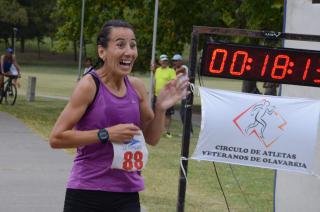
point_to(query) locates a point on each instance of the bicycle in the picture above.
(9, 91)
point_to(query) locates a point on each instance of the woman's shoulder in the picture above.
(87, 83)
(137, 84)
(84, 91)
(135, 81)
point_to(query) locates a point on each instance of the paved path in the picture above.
(32, 175)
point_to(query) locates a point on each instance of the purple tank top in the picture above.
(92, 166)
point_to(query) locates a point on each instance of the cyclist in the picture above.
(9, 67)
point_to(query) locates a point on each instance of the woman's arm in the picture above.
(182, 70)
(15, 63)
(63, 134)
(153, 123)
(1, 63)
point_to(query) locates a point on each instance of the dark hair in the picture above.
(88, 59)
(104, 34)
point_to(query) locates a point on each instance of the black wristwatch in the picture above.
(103, 135)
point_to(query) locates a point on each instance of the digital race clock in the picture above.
(260, 63)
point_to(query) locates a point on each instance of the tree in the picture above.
(175, 22)
(12, 14)
(39, 21)
(249, 14)
(30, 17)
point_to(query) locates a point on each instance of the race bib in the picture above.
(130, 156)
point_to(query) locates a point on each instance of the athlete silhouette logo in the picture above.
(258, 112)
(262, 121)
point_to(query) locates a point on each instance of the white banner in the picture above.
(254, 130)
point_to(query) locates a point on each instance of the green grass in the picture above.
(162, 172)
(52, 81)
(203, 191)
(39, 115)
(60, 81)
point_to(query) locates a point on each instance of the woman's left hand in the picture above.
(173, 92)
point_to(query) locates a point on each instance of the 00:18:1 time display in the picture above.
(290, 66)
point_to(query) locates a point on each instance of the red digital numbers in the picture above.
(266, 60)
(235, 58)
(306, 69)
(283, 68)
(238, 55)
(317, 80)
(261, 63)
(213, 60)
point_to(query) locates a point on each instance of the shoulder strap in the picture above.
(97, 82)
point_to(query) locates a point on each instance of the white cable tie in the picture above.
(192, 87)
(183, 170)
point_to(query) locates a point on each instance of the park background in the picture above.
(46, 34)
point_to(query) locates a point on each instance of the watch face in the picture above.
(103, 134)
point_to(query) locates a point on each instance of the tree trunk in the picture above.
(38, 48)
(22, 45)
(84, 49)
(75, 50)
(6, 42)
(12, 42)
(51, 39)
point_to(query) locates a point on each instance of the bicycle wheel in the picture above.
(10, 94)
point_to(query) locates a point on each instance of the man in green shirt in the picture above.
(163, 75)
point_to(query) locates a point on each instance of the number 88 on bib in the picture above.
(130, 156)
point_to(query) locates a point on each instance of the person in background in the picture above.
(250, 87)
(9, 67)
(109, 120)
(163, 75)
(179, 67)
(270, 88)
(87, 66)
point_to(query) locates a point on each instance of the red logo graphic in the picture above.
(262, 121)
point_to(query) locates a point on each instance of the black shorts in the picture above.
(169, 111)
(78, 200)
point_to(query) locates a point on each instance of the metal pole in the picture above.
(81, 40)
(187, 125)
(154, 43)
(15, 30)
(279, 94)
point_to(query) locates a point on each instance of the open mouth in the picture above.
(126, 63)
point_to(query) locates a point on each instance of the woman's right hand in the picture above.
(123, 132)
